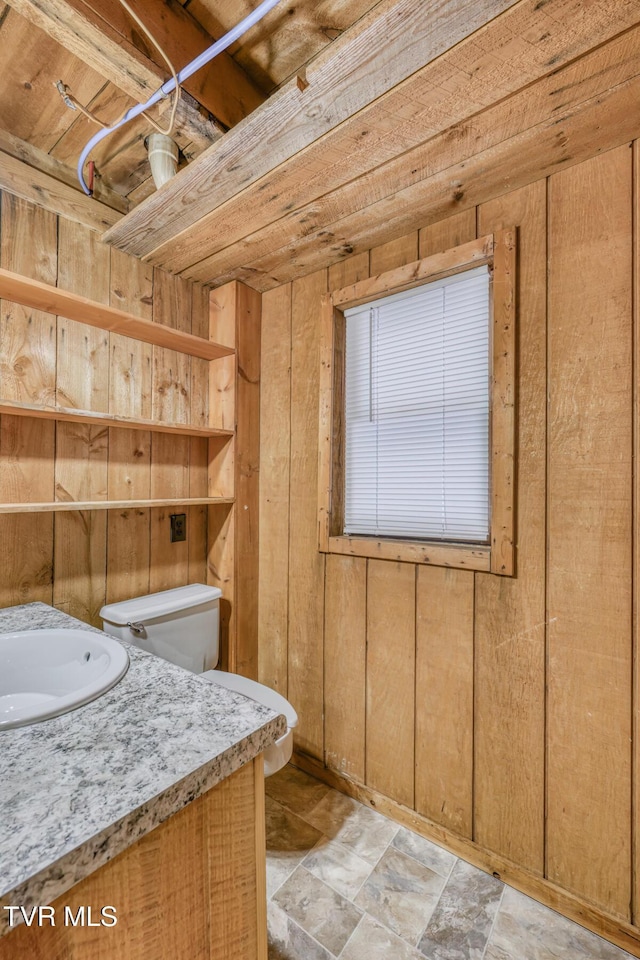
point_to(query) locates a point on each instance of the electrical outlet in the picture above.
(178, 526)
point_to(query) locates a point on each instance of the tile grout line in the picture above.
(435, 906)
(307, 934)
(352, 934)
(493, 924)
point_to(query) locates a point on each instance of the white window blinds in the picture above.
(417, 412)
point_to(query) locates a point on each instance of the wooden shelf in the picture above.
(42, 296)
(56, 506)
(71, 415)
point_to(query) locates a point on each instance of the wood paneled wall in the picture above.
(497, 708)
(79, 560)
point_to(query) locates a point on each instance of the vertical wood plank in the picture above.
(345, 664)
(171, 401)
(27, 372)
(306, 564)
(391, 664)
(393, 254)
(84, 267)
(221, 564)
(345, 633)
(247, 467)
(80, 539)
(198, 452)
(444, 678)
(168, 562)
(503, 406)
(128, 531)
(197, 515)
(28, 337)
(437, 237)
(26, 473)
(130, 371)
(349, 271)
(275, 423)
(444, 697)
(589, 529)
(221, 574)
(510, 613)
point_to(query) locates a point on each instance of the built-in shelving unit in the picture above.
(71, 415)
(49, 299)
(56, 506)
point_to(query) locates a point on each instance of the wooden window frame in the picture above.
(498, 252)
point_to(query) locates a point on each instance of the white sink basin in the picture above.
(44, 673)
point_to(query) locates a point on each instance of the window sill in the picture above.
(465, 556)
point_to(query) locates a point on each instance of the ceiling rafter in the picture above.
(100, 35)
(395, 39)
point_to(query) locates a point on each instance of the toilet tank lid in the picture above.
(154, 605)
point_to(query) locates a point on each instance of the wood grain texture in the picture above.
(275, 420)
(444, 646)
(345, 656)
(221, 557)
(27, 372)
(190, 888)
(43, 162)
(105, 420)
(68, 470)
(247, 470)
(543, 128)
(444, 697)
(37, 186)
(503, 402)
(510, 630)
(589, 530)
(517, 48)
(90, 39)
(306, 565)
(341, 82)
(391, 665)
(47, 298)
(128, 529)
(81, 466)
(222, 87)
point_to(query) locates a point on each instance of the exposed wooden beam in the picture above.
(222, 87)
(525, 43)
(46, 191)
(77, 28)
(575, 133)
(324, 230)
(381, 50)
(39, 160)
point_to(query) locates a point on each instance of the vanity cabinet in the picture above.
(193, 888)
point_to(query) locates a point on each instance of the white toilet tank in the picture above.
(180, 625)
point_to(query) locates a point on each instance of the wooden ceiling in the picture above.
(331, 127)
(38, 47)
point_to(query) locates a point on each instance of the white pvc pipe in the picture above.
(163, 157)
(200, 61)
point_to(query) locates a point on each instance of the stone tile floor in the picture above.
(344, 881)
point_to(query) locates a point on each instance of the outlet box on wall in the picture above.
(178, 527)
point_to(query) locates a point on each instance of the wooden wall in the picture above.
(499, 709)
(79, 560)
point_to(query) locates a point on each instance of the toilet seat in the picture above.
(255, 691)
(277, 754)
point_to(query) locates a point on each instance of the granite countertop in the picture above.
(78, 789)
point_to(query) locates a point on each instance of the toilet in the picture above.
(182, 625)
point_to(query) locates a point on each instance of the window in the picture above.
(417, 411)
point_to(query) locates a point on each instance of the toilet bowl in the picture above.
(182, 625)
